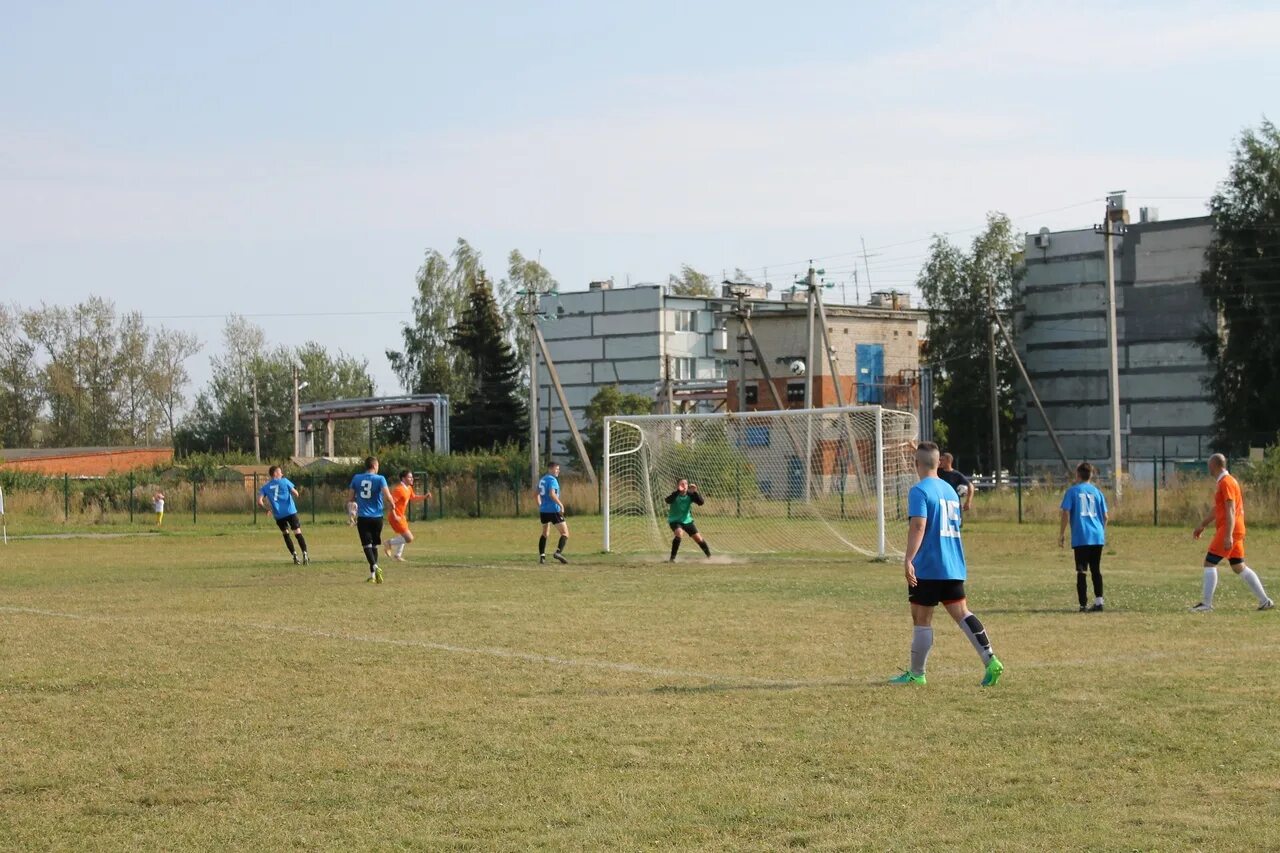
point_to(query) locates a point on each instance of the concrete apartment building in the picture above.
(624, 336)
(1061, 323)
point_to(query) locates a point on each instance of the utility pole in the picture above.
(532, 311)
(1112, 227)
(296, 424)
(993, 379)
(742, 312)
(257, 444)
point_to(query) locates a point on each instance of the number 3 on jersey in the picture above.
(366, 489)
(950, 528)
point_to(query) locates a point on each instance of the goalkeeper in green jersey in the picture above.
(680, 516)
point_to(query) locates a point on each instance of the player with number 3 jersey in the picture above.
(370, 495)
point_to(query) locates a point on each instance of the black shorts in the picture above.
(690, 527)
(1213, 559)
(933, 593)
(289, 522)
(552, 517)
(1088, 557)
(370, 530)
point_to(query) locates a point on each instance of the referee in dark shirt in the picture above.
(962, 484)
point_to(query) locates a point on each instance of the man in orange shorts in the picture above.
(1228, 538)
(401, 495)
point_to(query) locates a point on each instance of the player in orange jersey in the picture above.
(1228, 538)
(402, 494)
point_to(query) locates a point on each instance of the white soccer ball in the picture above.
(962, 490)
(797, 368)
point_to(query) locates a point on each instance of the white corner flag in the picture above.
(4, 522)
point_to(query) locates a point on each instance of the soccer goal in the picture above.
(799, 480)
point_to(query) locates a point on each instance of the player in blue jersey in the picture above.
(551, 512)
(280, 492)
(1084, 508)
(935, 569)
(370, 495)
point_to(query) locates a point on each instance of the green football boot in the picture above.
(907, 678)
(995, 669)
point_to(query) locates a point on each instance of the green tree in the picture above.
(609, 400)
(222, 418)
(428, 362)
(21, 394)
(1241, 282)
(690, 282)
(956, 285)
(523, 275)
(494, 414)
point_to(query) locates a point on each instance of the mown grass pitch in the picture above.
(198, 691)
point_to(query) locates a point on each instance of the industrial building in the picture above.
(1061, 331)
(682, 351)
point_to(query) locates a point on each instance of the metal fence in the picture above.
(127, 499)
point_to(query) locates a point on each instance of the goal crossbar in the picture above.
(835, 478)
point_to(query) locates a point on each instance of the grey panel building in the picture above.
(1061, 323)
(606, 336)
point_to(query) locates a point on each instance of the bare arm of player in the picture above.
(262, 501)
(1204, 522)
(555, 496)
(915, 535)
(1062, 528)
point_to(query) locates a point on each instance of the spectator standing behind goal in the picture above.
(935, 570)
(680, 516)
(1084, 508)
(157, 503)
(1228, 538)
(962, 484)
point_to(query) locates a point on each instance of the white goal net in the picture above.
(800, 480)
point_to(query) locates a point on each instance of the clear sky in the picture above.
(194, 159)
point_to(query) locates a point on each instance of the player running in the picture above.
(370, 495)
(680, 516)
(1085, 509)
(1228, 538)
(935, 569)
(280, 492)
(551, 512)
(401, 495)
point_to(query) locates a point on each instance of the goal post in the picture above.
(787, 481)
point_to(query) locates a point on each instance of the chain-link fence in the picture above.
(190, 498)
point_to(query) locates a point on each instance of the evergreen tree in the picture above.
(495, 413)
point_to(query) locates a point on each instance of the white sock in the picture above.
(400, 548)
(921, 643)
(395, 540)
(1210, 584)
(1251, 580)
(1098, 601)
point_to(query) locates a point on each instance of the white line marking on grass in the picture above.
(505, 654)
(634, 668)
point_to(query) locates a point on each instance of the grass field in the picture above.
(194, 690)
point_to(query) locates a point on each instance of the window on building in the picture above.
(717, 369)
(686, 321)
(795, 392)
(752, 395)
(682, 368)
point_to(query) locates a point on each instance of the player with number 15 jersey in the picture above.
(941, 555)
